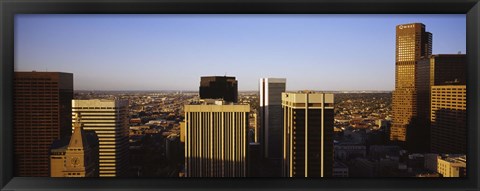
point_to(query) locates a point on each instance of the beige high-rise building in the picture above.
(308, 134)
(412, 44)
(449, 119)
(216, 140)
(108, 118)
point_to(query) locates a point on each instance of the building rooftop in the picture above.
(456, 158)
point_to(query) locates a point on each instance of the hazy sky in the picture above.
(171, 52)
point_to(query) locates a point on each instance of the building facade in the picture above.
(108, 118)
(271, 122)
(42, 105)
(452, 166)
(412, 44)
(442, 69)
(346, 152)
(219, 87)
(308, 134)
(216, 140)
(254, 158)
(449, 119)
(79, 158)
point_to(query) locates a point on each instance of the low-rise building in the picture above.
(346, 152)
(340, 169)
(452, 166)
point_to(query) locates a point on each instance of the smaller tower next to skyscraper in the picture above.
(219, 87)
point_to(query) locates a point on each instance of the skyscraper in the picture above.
(219, 87)
(216, 140)
(308, 134)
(108, 118)
(435, 70)
(412, 44)
(271, 122)
(449, 119)
(42, 105)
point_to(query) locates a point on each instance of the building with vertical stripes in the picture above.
(42, 105)
(308, 134)
(216, 140)
(108, 118)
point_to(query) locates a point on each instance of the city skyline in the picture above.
(295, 43)
(405, 133)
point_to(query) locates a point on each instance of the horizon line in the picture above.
(238, 90)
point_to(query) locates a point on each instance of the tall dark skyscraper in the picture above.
(412, 44)
(271, 122)
(219, 87)
(308, 134)
(436, 70)
(43, 106)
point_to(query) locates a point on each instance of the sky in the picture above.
(172, 52)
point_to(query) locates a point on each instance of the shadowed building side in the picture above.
(42, 105)
(442, 69)
(219, 87)
(308, 134)
(271, 120)
(449, 119)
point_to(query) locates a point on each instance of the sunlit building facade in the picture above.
(452, 166)
(216, 140)
(412, 44)
(79, 158)
(108, 118)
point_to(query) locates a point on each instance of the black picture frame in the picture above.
(9, 8)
